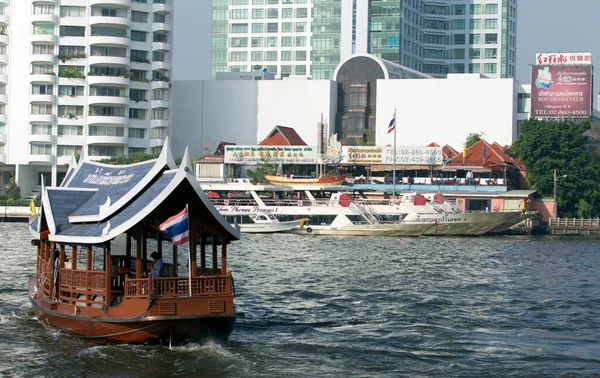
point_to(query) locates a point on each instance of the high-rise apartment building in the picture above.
(302, 37)
(81, 77)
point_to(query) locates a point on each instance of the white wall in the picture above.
(245, 112)
(446, 111)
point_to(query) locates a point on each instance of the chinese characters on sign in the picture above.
(270, 154)
(552, 59)
(385, 155)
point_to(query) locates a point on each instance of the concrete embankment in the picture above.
(14, 213)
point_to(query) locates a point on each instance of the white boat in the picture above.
(323, 204)
(268, 223)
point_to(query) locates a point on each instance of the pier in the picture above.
(574, 226)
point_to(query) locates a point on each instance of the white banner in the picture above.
(384, 155)
(554, 59)
(251, 155)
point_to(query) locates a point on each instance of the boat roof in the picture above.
(244, 187)
(100, 201)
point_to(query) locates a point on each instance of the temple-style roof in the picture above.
(98, 202)
(483, 155)
(283, 136)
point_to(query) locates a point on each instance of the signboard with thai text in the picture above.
(561, 91)
(385, 155)
(553, 59)
(252, 155)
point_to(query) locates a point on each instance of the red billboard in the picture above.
(561, 91)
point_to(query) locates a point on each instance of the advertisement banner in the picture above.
(251, 155)
(561, 91)
(385, 155)
(552, 59)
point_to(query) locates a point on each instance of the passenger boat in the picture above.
(321, 181)
(105, 219)
(268, 223)
(322, 204)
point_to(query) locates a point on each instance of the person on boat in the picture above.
(158, 266)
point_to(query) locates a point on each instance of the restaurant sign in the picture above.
(385, 155)
(251, 155)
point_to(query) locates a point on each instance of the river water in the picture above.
(333, 307)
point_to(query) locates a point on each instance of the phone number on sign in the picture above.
(563, 113)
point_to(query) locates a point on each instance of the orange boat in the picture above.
(321, 181)
(102, 218)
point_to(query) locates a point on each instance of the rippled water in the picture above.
(322, 306)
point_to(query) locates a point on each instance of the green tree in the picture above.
(131, 159)
(543, 146)
(473, 138)
(13, 192)
(264, 167)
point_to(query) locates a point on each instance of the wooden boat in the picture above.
(268, 223)
(321, 181)
(108, 298)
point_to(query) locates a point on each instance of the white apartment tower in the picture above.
(81, 77)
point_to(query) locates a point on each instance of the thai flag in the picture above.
(177, 227)
(392, 125)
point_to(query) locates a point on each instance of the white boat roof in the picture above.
(244, 187)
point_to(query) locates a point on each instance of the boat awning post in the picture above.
(138, 253)
(107, 268)
(89, 259)
(203, 253)
(175, 260)
(224, 257)
(128, 250)
(214, 253)
(74, 257)
(62, 256)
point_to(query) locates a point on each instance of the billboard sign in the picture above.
(561, 91)
(553, 59)
(252, 155)
(385, 155)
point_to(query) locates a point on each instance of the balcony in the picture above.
(3, 139)
(4, 39)
(3, 158)
(4, 79)
(162, 8)
(44, 58)
(114, 80)
(3, 18)
(159, 84)
(70, 140)
(4, 59)
(122, 3)
(39, 159)
(75, 120)
(161, 46)
(41, 138)
(160, 26)
(105, 139)
(157, 142)
(45, 18)
(3, 118)
(93, 120)
(43, 118)
(163, 66)
(155, 104)
(108, 60)
(102, 20)
(109, 40)
(47, 38)
(108, 100)
(40, 78)
(159, 123)
(41, 98)
(3, 99)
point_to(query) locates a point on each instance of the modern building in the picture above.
(81, 77)
(301, 37)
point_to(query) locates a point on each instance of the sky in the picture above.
(542, 26)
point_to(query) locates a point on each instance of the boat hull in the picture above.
(392, 230)
(469, 224)
(265, 228)
(281, 180)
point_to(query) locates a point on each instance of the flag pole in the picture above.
(394, 154)
(190, 251)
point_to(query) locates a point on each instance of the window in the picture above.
(258, 13)
(489, 68)
(491, 9)
(300, 70)
(239, 28)
(475, 23)
(41, 108)
(137, 95)
(258, 28)
(41, 89)
(474, 39)
(108, 51)
(300, 41)
(67, 150)
(271, 56)
(301, 27)
(106, 150)
(136, 150)
(40, 129)
(43, 9)
(458, 53)
(459, 9)
(160, 18)
(43, 28)
(43, 49)
(107, 111)
(287, 41)
(72, 31)
(42, 69)
(2, 91)
(40, 149)
(70, 110)
(475, 8)
(301, 55)
(139, 56)
(271, 41)
(109, 12)
(159, 114)
(491, 39)
(158, 56)
(286, 69)
(136, 133)
(137, 113)
(257, 42)
(70, 130)
(106, 131)
(256, 56)
(287, 56)
(474, 53)
(160, 37)
(108, 31)
(72, 11)
(491, 53)
(107, 91)
(70, 52)
(272, 27)
(137, 16)
(491, 23)
(106, 71)
(239, 14)
(239, 56)
(272, 13)
(301, 12)
(139, 36)
(459, 25)
(459, 39)
(287, 13)
(160, 94)
(287, 27)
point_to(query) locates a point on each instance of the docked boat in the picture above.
(359, 225)
(104, 219)
(321, 181)
(268, 223)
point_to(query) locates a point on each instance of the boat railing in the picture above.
(366, 211)
(178, 286)
(82, 287)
